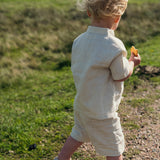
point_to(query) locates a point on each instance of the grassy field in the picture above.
(36, 85)
(143, 1)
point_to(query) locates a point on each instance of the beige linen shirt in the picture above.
(98, 59)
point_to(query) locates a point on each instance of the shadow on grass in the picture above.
(63, 63)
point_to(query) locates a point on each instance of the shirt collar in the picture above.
(100, 30)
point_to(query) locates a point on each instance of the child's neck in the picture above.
(103, 23)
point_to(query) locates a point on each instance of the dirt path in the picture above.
(146, 142)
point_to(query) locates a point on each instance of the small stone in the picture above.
(46, 130)
(145, 137)
(11, 151)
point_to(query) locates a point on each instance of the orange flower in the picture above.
(134, 51)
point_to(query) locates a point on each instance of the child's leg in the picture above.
(69, 148)
(115, 158)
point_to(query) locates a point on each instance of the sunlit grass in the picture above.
(15, 5)
(150, 52)
(37, 87)
(143, 1)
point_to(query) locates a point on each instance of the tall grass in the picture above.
(143, 1)
(36, 37)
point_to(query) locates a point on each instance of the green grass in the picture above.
(35, 112)
(37, 88)
(155, 80)
(139, 103)
(150, 52)
(143, 1)
(131, 125)
(19, 4)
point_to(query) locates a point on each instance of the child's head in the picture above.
(103, 8)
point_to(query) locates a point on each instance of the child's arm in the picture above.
(133, 61)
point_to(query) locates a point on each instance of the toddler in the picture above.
(99, 67)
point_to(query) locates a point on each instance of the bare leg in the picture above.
(115, 158)
(69, 148)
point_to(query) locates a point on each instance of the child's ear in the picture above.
(88, 13)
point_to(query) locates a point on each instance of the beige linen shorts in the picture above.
(106, 135)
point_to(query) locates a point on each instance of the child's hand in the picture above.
(136, 60)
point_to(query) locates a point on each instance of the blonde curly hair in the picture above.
(103, 8)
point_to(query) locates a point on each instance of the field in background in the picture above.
(36, 85)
